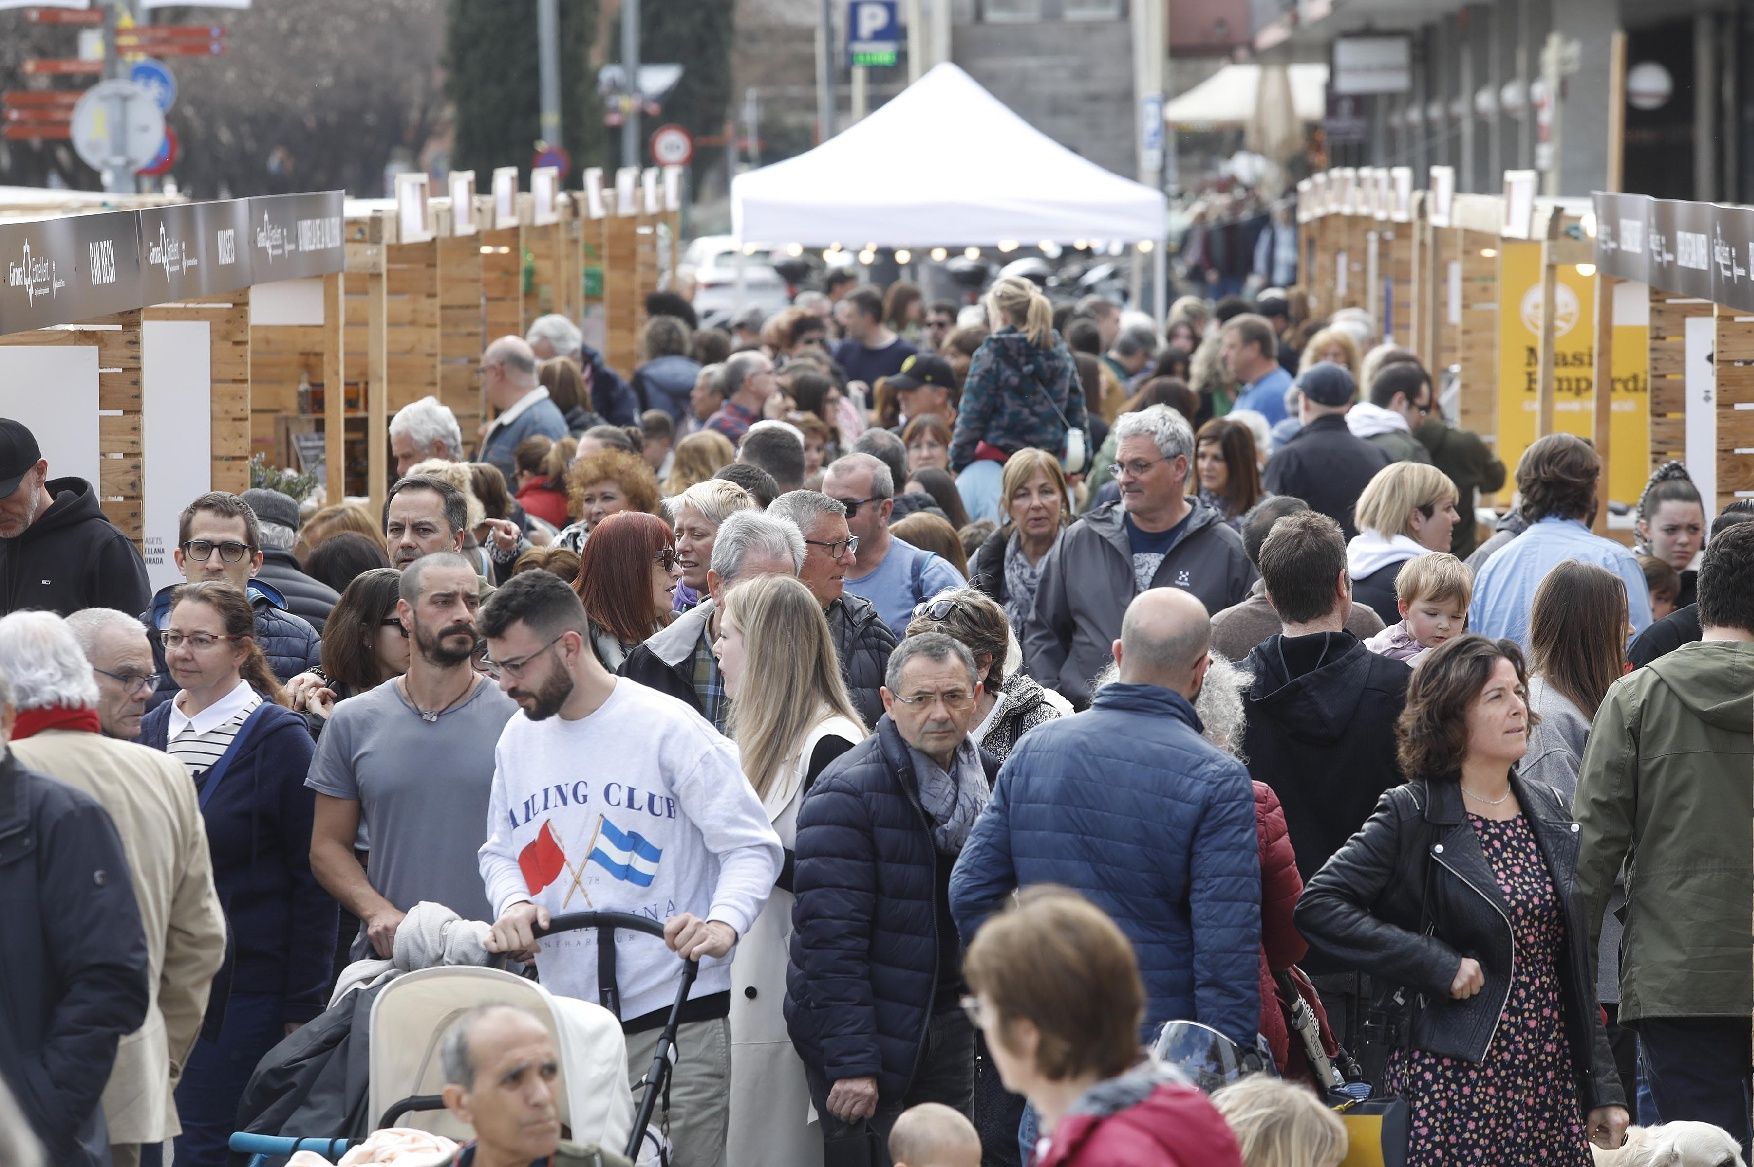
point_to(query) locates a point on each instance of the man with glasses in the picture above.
(940, 323)
(412, 760)
(219, 539)
(607, 796)
(892, 573)
(508, 381)
(679, 659)
(862, 640)
(1400, 401)
(1156, 536)
(874, 976)
(57, 551)
(120, 653)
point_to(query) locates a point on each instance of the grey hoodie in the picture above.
(1087, 583)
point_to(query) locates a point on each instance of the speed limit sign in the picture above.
(672, 145)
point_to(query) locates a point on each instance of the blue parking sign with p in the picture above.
(873, 32)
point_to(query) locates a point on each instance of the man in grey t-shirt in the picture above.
(413, 760)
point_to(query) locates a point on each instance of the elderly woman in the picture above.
(1461, 889)
(1010, 703)
(697, 513)
(1038, 505)
(1408, 509)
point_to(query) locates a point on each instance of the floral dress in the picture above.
(1519, 1106)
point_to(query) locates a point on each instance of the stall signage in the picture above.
(194, 249)
(296, 236)
(58, 271)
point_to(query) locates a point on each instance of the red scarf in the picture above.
(79, 718)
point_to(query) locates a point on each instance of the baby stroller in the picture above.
(413, 1011)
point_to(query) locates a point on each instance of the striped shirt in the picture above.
(200, 741)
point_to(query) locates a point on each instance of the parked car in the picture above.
(708, 276)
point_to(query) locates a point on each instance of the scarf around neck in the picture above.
(79, 718)
(953, 799)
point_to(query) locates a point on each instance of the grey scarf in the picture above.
(954, 799)
(1021, 580)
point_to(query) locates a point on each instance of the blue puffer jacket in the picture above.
(288, 641)
(665, 383)
(1130, 806)
(864, 960)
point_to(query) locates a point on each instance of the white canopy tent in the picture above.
(1229, 96)
(943, 163)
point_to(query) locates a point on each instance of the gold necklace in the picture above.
(1499, 801)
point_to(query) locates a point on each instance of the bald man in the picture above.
(508, 379)
(1129, 805)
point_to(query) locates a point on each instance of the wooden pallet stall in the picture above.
(651, 222)
(462, 327)
(502, 260)
(594, 217)
(623, 306)
(544, 241)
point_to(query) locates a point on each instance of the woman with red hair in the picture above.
(627, 580)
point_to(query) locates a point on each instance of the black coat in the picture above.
(1418, 851)
(309, 599)
(1377, 591)
(1325, 466)
(986, 570)
(865, 951)
(1677, 628)
(72, 558)
(73, 959)
(863, 642)
(1321, 732)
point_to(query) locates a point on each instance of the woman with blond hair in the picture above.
(1022, 391)
(697, 513)
(1336, 347)
(788, 728)
(699, 456)
(1408, 509)
(1038, 506)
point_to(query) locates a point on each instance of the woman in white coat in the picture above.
(788, 728)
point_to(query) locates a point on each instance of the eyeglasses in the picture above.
(938, 610)
(853, 505)
(972, 1007)
(199, 641)
(954, 699)
(1138, 467)
(132, 682)
(666, 558)
(393, 622)
(836, 547)
(230, 551)
(514, 668)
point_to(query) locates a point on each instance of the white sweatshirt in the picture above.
(640, 807)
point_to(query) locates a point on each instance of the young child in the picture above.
(1432, 594)
(1664, 583)
(1281, 1124)
(933, 1135)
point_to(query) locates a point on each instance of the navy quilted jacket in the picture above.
(1129, 805)
(864, 957)
(288, 641)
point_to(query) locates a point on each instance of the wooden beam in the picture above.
(1549, 295)
(1604, 390)
(335, 386)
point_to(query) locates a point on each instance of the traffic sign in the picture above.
(157, 79)
(873, 32)
(79, 17)
(555, 156)
(672, 145)
(117, 125)
(165, 158)
(61, 67)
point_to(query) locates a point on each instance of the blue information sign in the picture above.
(873, 32)
(158, 80)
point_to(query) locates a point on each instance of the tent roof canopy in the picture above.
(943, 163)
(1227, 98)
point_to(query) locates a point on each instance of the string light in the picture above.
(1146, 246)
(1586, 270)
(903, 255)
(1488, 253)
(794, 249)
(867, 257)
(939, 255)
(971, 252)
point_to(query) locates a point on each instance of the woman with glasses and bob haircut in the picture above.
(1407, 510)
(364, 643)
(788, 727)
(1055, 990)
(1461, 889)
(628, 574)
(248, 755)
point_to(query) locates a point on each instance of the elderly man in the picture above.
(861, 639)
(120, 653)
(664, 824)
(502, 1077)
(778, 448)
(425, 429)
(556, 336)
(892, 573)
(679, 660)
(152, 804)
(76, 966)
(1154, 537)
(747, 382)
(219, 538)
(508, 381)
(57, 551)
(1130, 805)
(874, 978)
(309, 599)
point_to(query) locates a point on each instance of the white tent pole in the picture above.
(1160, 282)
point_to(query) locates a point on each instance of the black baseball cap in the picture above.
(1327, 384)
(923, 369)
(18, 454)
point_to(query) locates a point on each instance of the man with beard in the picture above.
(610, 796)
(411, 760)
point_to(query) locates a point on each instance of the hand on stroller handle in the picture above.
(516, 932)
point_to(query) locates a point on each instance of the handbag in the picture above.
(1077, 459)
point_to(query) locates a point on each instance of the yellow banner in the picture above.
(1574, 339)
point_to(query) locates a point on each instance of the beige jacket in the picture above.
(149, 796)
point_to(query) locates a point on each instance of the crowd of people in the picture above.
(972, 700)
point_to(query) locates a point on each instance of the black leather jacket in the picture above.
(1363, 908)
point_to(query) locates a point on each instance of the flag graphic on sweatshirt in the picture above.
(626, 855)
(542, 859)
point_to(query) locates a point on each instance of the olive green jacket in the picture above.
(1667, 783)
